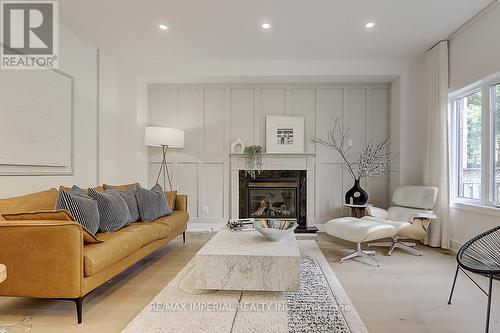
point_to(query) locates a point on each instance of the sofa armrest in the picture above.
(43, 258)
(181, 202)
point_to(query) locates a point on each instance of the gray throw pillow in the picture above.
(152, 204)
(82, 207)
(113, 210)
(130, 199)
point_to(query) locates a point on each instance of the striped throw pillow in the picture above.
(113, 210)
(130, 199)
(82, 207)
(152, 204)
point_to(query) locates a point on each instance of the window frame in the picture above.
(492, 128)
(488, 113)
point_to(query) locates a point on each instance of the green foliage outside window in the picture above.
(473, 120)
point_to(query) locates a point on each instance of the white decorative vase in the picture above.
(238, 146)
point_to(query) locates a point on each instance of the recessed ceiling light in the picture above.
(162, 27)
(370, 25)
(266, 26)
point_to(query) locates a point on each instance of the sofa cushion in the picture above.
(152, 204)
(115, 246)
(44, 200)
(113, 210)
(149, 232)
(121, 188)
(120, 244)
(176, 222)
(82, 207)
(68, 189)
(51, 215)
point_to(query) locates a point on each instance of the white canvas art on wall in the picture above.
(36, 122)
(284, 134)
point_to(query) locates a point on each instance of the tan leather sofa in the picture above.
(48, 258)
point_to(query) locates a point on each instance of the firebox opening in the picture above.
(269, 198)
(274, 194)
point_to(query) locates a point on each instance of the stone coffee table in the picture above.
(245, 260)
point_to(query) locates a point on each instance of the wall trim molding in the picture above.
(215, 114)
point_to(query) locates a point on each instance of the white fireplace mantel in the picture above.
(288, 161)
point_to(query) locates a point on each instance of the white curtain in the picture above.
(437, 152)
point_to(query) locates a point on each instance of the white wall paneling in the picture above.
(214, 148)
(242, 112)
(379, 120)
(215, 114)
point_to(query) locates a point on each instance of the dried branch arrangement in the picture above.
(374, 159)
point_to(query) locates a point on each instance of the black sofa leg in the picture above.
(79, 305)
(184, 237)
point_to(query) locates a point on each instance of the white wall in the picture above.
(395, 124)
(413, 122)
(214, 115)
(474, 55)
(79, 59)
(108, 130)
(475, 51)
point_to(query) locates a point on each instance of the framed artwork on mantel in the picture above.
(284, 134)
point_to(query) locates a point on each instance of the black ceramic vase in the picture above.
(356, 195)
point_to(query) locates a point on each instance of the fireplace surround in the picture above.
(274, 194)
(299, 166)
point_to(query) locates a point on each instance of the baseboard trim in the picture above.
(455, 245)
(205, 226)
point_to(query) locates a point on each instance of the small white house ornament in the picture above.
(238, 146)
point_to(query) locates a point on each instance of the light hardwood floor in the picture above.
(407, 294)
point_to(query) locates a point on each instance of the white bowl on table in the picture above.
(275, 230)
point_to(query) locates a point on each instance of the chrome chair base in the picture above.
(397, 243)
(359, 253)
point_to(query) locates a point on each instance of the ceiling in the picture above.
(213, 30)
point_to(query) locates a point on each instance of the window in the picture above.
(495, 93)
(469, 117)
(475, 143)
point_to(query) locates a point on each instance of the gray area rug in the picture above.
(320, 305)
(314, 308)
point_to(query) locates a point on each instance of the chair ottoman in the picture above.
(359, 231)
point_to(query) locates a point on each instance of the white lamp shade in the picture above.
(164, 136)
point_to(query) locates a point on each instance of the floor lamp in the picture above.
(165, 138)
